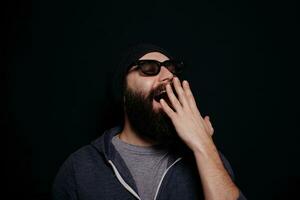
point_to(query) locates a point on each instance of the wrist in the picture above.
(204, 149)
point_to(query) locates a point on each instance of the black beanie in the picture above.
(131, 55)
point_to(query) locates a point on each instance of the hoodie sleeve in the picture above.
(64, 185)
(230, 172)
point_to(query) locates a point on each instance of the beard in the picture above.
(151, 125)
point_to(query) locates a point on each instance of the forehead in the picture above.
(154, 56)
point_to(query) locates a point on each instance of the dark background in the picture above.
(57, 58)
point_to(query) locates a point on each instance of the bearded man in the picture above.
(164, 147)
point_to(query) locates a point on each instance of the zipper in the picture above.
(122, 181)
(164, 174)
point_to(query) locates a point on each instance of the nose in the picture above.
(165, 75)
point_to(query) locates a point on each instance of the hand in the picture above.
(195, 131)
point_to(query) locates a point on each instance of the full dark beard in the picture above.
(147, 123)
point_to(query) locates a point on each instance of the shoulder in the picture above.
(79, 164)
(87, 157)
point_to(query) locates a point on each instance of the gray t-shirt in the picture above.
(146, 165)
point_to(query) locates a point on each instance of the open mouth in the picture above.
(163, 95)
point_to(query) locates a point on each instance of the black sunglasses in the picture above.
(152, 67)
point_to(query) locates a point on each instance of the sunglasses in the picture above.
(152, 67)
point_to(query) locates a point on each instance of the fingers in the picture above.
(185, 96)
(184, 104)
(209, 125)
(173, 99)
(180, 92)
(190, 97)
(167, 108)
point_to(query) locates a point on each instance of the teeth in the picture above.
(162, 92)
(160, 95)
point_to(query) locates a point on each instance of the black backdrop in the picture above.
(58, 57)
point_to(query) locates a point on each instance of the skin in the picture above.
(192, 128)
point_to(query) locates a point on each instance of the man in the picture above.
(163, 150)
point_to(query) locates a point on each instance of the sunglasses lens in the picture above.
(149, 67)
(152, 67)
(174, 66)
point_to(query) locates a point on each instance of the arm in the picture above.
(216, 181)
(196, 132)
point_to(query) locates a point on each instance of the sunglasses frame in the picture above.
(159, 64)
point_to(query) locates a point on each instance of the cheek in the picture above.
(143, 85)
(146, 85)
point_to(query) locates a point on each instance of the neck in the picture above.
(129, 136)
